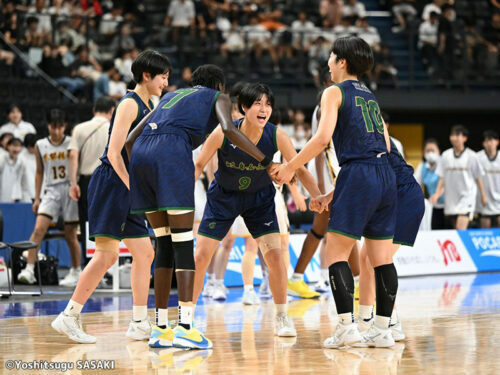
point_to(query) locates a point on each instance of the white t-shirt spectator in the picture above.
(302, 30)
(19, 130)
(181, 12)
(357, 10)
(428, 9)
(256, 33)
(12, 180)
(117, 88)
(428, 33)
(459, 174)
(110, 23)
(491, 182)
(370, 35)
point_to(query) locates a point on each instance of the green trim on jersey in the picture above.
(403, 243)
(275, 138)
(344, 234)
(209, 236)
(214, 100)
(378, 238)
(343, 96)
(224, 141)
(263, 234)
(148, 210)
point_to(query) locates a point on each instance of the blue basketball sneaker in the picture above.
(191, 339)
(161, 338)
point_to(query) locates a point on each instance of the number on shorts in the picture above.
(180, 94)
(244, 182)
(371, 113)
(59, 172)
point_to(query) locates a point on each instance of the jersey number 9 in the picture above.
(244, 182)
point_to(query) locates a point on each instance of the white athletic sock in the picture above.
(394, 316)
(325, 274)
(186, 316)
(210, 276)
(346, 318)
(220, 282)
(365, 312)
(382, 322)
(281, 308)
(30, 267)
(161, 317)
(73, 308)
(297, 277)
(139, 313)
(247, 288)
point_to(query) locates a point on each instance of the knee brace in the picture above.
(342, 284)
(164, 257)
(269, 242)
(318, 236)
(182, 243)
(386, 288)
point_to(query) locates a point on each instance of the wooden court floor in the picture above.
(452, 324)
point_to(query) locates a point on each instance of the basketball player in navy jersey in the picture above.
(242, 187)
(109, 207)
(364, 199)
(162, 185)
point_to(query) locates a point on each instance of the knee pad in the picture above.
(182, 243)
(386, 288)
(164, 257)
(342, 284)
(269, 242)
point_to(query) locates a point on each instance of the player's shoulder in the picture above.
(447, 153)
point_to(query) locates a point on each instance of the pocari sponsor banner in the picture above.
(434, 252)
(484, 247)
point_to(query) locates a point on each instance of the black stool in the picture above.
(20, 246)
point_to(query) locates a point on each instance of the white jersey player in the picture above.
(53, 200)
(490, 161)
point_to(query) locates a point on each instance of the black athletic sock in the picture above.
(386, 288)
(342, 284)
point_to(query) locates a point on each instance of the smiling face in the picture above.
(336, 67)
(260, 111)
(156, 85)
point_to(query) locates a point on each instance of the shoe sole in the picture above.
(156, 343)
(24, 280)
(180, 343)
(296, 294)
(55, 326)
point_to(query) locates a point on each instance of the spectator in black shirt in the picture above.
(491, 35)
(447, 42)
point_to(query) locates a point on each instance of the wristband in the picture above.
(266, 161)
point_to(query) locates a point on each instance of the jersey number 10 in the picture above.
(371, 114)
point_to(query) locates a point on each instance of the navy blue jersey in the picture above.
(190, 110)
(359, 133)
(143, 111)
(402, 170)
(239, 171)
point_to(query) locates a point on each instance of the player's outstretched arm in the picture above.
(129, 143)
(223, 112)
(330, 104)
(211, 145)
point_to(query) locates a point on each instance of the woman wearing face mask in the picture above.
(427, 177)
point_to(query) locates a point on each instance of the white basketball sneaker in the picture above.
(219, 293)
(283, 326)
(345, 334)
(208, 290)
(376, 337)
(139, 330)
(26, 276)
(250, 298)
(71, 278)
(397, 331)
(364, 324)
(71, 326)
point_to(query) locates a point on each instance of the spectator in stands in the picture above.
(87, 144)
(7, 56)
(384, 65)
(52, 61)
(257, 36)
(16, 125)
(181, 16)
(354, 9)
(331, 10)
(302, 130)
(488, 158)
(234, 41)
(4, 140)
(476, 49)
(428, 41)
(42, 13)
(491, 35)
(319, 52)
(447, 42)
(111, 21)
(101, 87)
(13, 174)
(302, 31)
(12, 32)
(83, 68)
(404, 11)
(185, 80)
(427, 177)
(32, 36)
(368, 33)
(124, 63)
(397, 142)
(61, 9)
(64, 32)
(345, 28)
(459, 171)
(124, 40)
(117, 88)
(433, 7)
(30, 161)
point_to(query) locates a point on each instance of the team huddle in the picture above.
(148, 172)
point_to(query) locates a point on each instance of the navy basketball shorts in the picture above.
(109, 207)
(365, 200)
(409, 213)
(223, 207)
(162, 173)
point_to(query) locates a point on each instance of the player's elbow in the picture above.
(322, 141)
